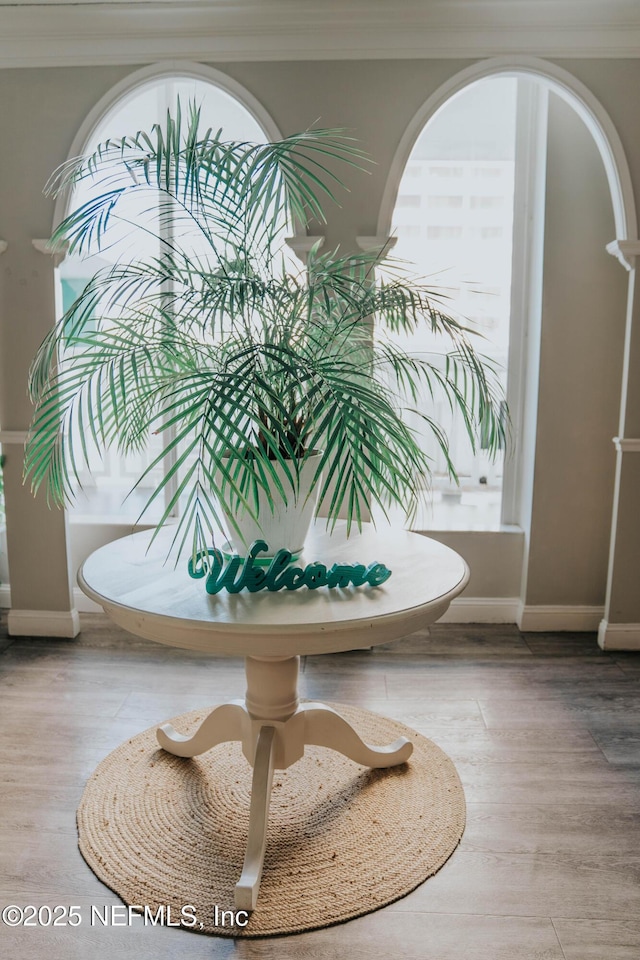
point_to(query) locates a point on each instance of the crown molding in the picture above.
(91, 33)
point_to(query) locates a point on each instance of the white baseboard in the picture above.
(482, 610)
(44, 623)
(619, 636)
(623, 636)
(538, 618)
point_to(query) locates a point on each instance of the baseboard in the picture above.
(477, 610)
(44, 623)
(462, 610)
(619, 636)
(482, 610)
(81, 602)
(558, 617)
(622, 636)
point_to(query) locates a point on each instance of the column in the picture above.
(41, 590)
(620, 628)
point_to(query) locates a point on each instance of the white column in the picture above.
(620, 628)
(37, 540)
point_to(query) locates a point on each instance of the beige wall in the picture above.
(40, 112)
(494, 559)
(625, 588)
(583, 312)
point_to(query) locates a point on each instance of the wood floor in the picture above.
(544, 731)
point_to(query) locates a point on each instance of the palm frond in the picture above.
(241, 368)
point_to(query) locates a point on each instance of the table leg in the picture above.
(247, 887)
(225, 723)
(323, 727)
(274, 727)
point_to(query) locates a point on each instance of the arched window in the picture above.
(110, 476)
(453, 222)
(494, 142)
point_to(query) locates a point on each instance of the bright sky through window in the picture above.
(454, 220)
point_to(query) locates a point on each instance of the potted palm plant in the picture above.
(265, 383)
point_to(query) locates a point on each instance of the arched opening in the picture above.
(470, 174)
(453, 220)
(142, 101)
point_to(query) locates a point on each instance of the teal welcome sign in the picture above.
(244, 573)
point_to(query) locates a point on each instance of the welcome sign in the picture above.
(247, 573)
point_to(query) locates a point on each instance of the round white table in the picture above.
(151, 597)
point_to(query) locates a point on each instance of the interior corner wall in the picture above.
(583, 311)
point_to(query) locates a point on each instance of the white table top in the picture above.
(152, 598)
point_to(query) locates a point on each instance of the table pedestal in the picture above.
(274, 728)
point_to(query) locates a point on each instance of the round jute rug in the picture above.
(343, 840)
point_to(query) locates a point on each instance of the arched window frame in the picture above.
(129, 88)
(524, 349)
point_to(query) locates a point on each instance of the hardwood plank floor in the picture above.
(544, 730)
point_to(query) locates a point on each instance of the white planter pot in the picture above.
(280, 524)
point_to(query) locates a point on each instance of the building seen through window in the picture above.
(453, 222)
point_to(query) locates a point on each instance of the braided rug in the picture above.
(343, 840)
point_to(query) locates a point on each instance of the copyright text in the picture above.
(111, 915)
